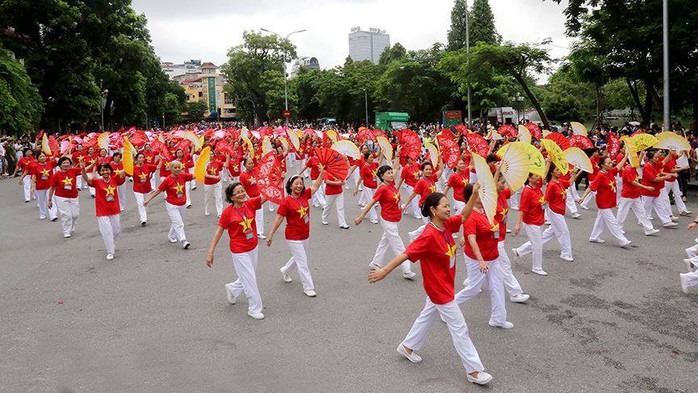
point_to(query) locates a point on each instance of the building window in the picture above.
(201, 94)
(228, 99)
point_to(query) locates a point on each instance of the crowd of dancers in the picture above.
(455, 219)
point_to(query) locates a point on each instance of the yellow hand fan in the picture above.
(347, 148)
(266, 145)
(103, 140)
(201, 163)
(488, 188)
(44, 145)
(643, 141)
(284, 142)
(557, 156)
(386, 147)
(503, 150)
(332, 134)
(524, 135)
(669, 140)
(535, 159)
(128, 156)
(250, 147)
(579, 159)
(188, 135)
(293, 137)
(578, 128)
(515, 165)
(433, 153)
(632, 155)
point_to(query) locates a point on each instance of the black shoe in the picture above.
(143, 223)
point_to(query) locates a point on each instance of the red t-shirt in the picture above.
(26, 163)
(531, 206)
(234, 167)
(649, 173)
(213, 168)
(368, 175)
(78, 157)
(106, 196)
(141, 178)
(175, 187)
(297, 213)
(389, 199)
(556, 195)
(117, 167)
(605, 187)
(629, 190)
(410, 174)
(241, 225)
(65, 183)
(668, 168)
(500, 217)
(43, 173)
(165, 169)
(458, 181)
(333, 189)
(424, 188)
(595, 166)
(249, 183)
(313, 164)
(149, 156)
(437, 252)
(478, 225)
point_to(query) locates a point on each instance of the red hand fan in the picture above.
(508, 130)
(478, 144)
(613, 144)
(269, 179)
(336, 165)
(411, 144)
(449, 148)
(581, 141)
(535, 130)
(559, 139)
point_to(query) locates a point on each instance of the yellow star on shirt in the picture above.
(451, 250)
(505, 211)
(110, 190)
(564, 194)
(374, 173)
(68, 181)
(179, 188)
(45, 172)
(303, 211)
(167, 165)
(246, 224)
(432, 188)
(495, 228)
(397, 197)
(143, 176)
(465, 182)
(212, 171)
(612, 184)
(541, 200)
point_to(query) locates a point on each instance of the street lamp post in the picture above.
(665, 31)
(467, 51)
(285, 61)
(102, 102)
(366, 105)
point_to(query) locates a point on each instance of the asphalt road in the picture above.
(156, 318)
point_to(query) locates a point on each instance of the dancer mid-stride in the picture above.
(436, 250)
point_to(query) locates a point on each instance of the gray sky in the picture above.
(182, 29)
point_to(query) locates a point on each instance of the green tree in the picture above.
(456, 33)
(21, 107)
(482, 28)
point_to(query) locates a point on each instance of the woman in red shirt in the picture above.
(175, 188)
(187, 163)
(64, 191)
(296, 209)
(436, 250)
(314, 165)
(410, 174)
(118, 166)
(25, 164)
(458, 180)
(107, 204)
(367, 175)
(630, 198)
(249, 182)
(213, 188)
(238, 219)
(334, 195)
(595, 164)
(388, 197)
(533, 217)
(41, 171)
(142, 185)
(605, 186)
(653, 175)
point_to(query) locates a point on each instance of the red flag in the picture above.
(269, 179)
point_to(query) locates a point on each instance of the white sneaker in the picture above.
(483, 378)
(519, 298)
(584, 207)
(409, 275)
(374, 221)
(258, 316)
(172, 240)
(600, 241)
(344, 226)
(566, 258)
(261, 236)
(42, 217)
(670, 225)
(540, 272)
(412, 357)
(231, 299)
(285, 276)
(576, 215)
(651, 232)
(505, 325)
(674, 218)
(110, 257)
(185, 244)
(325, 223)
(516, 252)
(626, 245)
(686, 213)
(67, 235)
(508, 230)
(684, 282)
(310, 293)
(689, 264)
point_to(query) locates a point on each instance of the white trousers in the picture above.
(656, 204)
(319, 196)
(259, 220)
(122, 196)
(27, 187)
(69, 210)
(245, 264)
(368, 193)
(79, 183)
(110, 227)
(476, 278)
(453, 316)
(692, 278)
(142, 213)
(511, 284)
(299, 260)
(93, 176)
(215, 192)
(570, 200)
(638, 208)
(674, 188)
(390, 239)
(154, 180)
(605, 217)
(558, 229)
(176, 214)
(188, 193)
(534, 245)
(590, 197)
(337, 200)
(515, 199)
(44, 211)
(619, 188)
(414, 203)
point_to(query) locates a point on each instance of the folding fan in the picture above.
(515, 165)
(411, 144)
(44, 144)
(347, 148)
(269, 179)
(535, 158)
(503, 150)
(293, 137)
(534, 129)
(433, 153)
(201, 163)
(579, 159)
(559, 139)
(332, 134)
(128, 156)
(508, 130)
(578, 128)
(386, 147)
(581, 141)
(556, 155)
(612, 144)
(335, 164)
(250, 147)
(196, 142)
(488, 188)
(632, 155)
(266, 145)
(477, 144)
(524, 134)
(643, 141)
(103, 140)
(448, 147)
(283, 142)
(669, 140)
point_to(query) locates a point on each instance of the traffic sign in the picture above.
(287, 113)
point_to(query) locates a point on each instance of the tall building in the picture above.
(367, 45)
(309, 63)
(189, 67)
(207, 85)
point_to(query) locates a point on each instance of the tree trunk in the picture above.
(534, 101)
(647, 117)
(636, 97)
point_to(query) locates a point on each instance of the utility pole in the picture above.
(285, 60)
(366, 105)
(665, 12)
(467, 51)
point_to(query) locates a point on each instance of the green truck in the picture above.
(388, 121)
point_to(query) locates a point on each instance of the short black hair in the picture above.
(139, 154)
(229, 191)
(105, 165)
(60, 160)
(432, 201)
(381, 171)
(117, 154)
